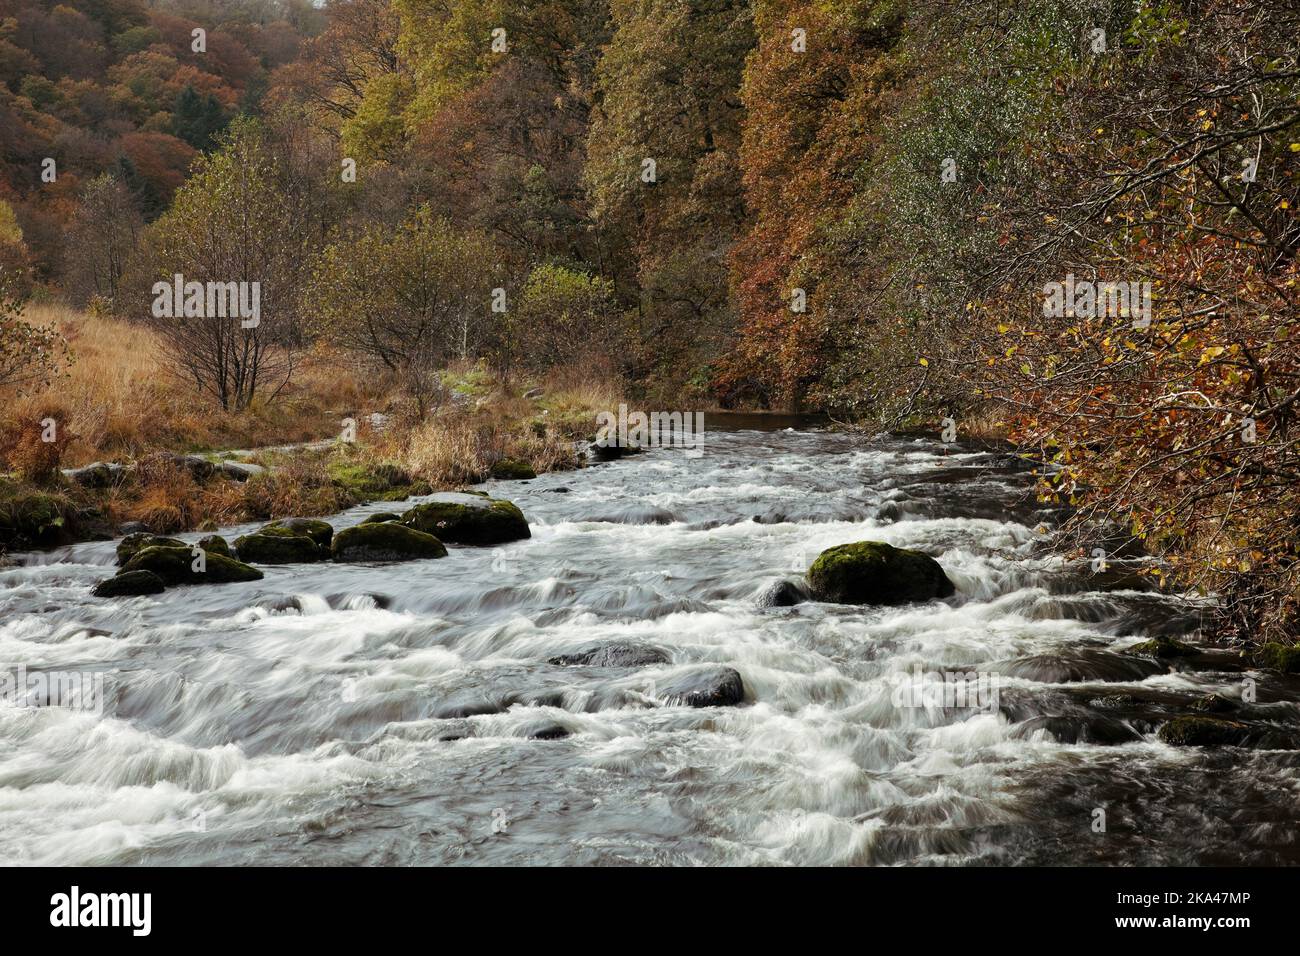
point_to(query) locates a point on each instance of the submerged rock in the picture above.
(613, 654)
(547, 730)
(633, 513)
(380, 517)
(467, 705)
(704, 687)
(872, 572)
(1203, 732)
(130, 584)
(132, 544)
(468, 519)
(1078, 667)
(279, 549)
(387, 541)
(176, 566)
(1080, 729)
(782, 594)
(319, 531)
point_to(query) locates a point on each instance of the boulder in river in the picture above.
(319, 531)
(612, 654)
(386, 541)
(1162, 647)
(130, 584)
(468, 519)
(1203, 732)
(872, 572)
(176, 566)
(215, 544)
(1079, 666)
(129, 546)
(546, 730)
(710, 686)
(380, 517)
(279, 549)
(783, 593)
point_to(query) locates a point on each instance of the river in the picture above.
(407, 713)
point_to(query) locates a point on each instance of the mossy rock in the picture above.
(215, 544)
(872, 572)
(319, 531)
(1214, 704)
(133, 544)
(1279, 657)
(176, 566)
(385, 541)
(1162, 648)
(381, 516)
(512, 469)
(468, 519)
(130, 584)
(381, 480)
(35, 519)
(1202, 732)
(279, 549)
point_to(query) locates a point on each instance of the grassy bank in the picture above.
(117, 404)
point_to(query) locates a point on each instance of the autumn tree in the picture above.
(566, 316)
(236, 221)
(409, 299)
(663, 172)
(102, 239)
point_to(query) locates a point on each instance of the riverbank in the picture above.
(116, 445)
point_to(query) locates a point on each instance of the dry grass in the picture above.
(122, 403)
(118, 402)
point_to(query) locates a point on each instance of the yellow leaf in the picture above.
(925, 362)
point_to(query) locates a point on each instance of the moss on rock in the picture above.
(318, 531)
(33, 519)
(872, 572)
(381, 517)
(176, 566)
(1279, 657)
(512, 469)
(467, 519)
(279, 549)
(385, 541)
(133, 544)
(1162, 648)
(215, 544)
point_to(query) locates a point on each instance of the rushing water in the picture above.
(406, 713)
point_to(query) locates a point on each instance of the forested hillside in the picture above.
(864, 207)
